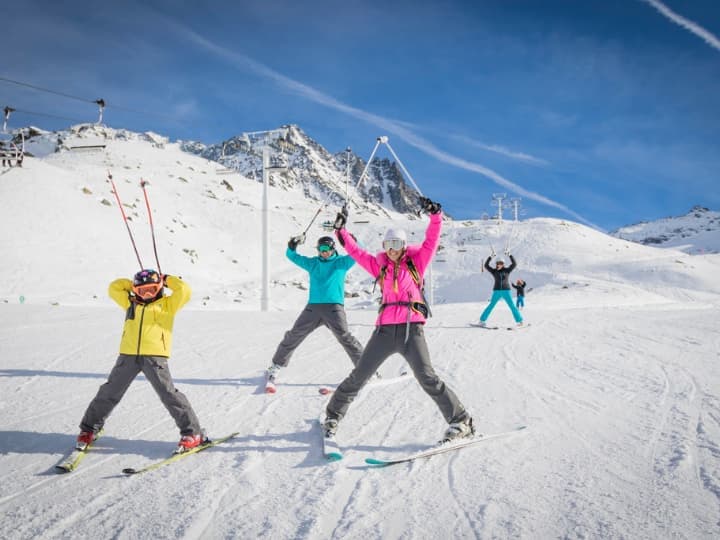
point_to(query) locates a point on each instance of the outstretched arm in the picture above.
(430, 244)
(302, 261)
(363, 258)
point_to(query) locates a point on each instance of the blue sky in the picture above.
(601, 111)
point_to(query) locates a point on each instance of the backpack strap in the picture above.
(422, 307)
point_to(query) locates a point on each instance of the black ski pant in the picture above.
(386, 340)
(313, 316)
(155, 369)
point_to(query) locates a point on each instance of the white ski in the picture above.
(441, 448)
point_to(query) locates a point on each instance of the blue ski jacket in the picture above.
(327, 276)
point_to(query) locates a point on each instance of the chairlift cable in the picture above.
(33, 113)
(19, 83)
(85, 100)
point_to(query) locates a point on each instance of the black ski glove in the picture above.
(430, 207)
(295, 241)
(341, 219)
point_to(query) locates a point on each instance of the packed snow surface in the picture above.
(617, 377)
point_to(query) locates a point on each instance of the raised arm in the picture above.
(181, 292)
(364, 258)
(119, 290)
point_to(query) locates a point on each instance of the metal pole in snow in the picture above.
(265, 294)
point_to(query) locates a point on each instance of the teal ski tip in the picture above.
(333, 456)
(376, 462)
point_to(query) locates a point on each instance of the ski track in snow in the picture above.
(623, 440)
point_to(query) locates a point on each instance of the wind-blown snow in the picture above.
(617, 377)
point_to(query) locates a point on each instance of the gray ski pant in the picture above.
(314, 315)
(386, 340)
(155, 369)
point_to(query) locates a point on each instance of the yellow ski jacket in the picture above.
(148, 327)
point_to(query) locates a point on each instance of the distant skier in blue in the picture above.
(519, 287)
(501, 289)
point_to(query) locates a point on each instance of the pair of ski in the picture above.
(271, 387)
(332, 451)
(373, 383)
(477, 325)
(72, 461)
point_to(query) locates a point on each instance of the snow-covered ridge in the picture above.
(307, 166)
(698, 231)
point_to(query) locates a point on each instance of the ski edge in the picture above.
(441, 449)
(73, 459)
(373, 383)
(130, 471)
(477, 325)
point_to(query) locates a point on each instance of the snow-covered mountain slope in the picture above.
(698, 231)
(617, 376)
(307, 166)
(208, 228)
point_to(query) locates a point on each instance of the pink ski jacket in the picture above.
(398, 285)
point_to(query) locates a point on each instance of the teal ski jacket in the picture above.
(327, 276)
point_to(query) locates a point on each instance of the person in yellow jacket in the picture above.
(145, 346)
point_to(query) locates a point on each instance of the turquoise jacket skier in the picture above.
(325, 306)
(327, 275)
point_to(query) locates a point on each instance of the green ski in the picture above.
(72, 461)
(176, 457)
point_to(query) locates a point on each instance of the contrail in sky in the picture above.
(394, 127)
(695, 28)
(497, 149)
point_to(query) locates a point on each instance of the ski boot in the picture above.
(329, 426)
(84, 440)
(188, 442)
(459, 430)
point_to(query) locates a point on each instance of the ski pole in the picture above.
(507, 244)
(122, 211)
(347, 200)
(152, 226)
(403, 167)
(367, 166)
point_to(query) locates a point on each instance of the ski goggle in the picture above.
(393, 243)
(323, 248)
(147, 291)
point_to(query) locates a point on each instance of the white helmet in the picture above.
(395, 239)
(396, 234)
